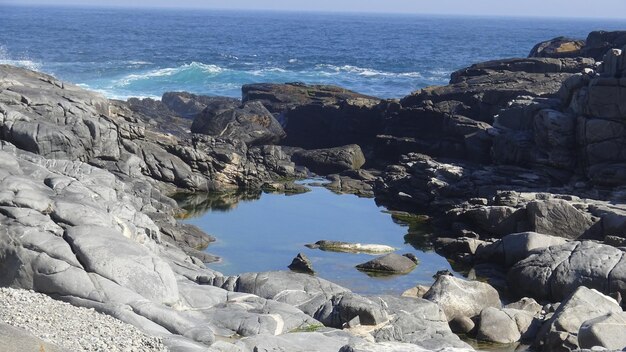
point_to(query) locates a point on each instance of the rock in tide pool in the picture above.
(338, 246)
(301, 264)
(391, 263)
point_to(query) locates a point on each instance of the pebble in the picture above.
(72, 328)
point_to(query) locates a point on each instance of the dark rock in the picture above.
(251, 123)
(189, 105)
(332, 160)
(599, 42)
(558, 47)
(462, 325)
(527, 65)
(487, 88)
(391, 263)
(302, 264)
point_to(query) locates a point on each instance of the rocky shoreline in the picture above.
(518, 162)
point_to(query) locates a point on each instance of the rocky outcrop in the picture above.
(318, 117)
(250, 123)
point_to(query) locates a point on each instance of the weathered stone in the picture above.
(607, 331)
(560, 333)
(332, 160)
(558, 47)
(460, 298)
(251, 123)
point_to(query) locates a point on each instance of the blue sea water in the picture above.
(141, 52)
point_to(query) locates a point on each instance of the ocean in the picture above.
(143, 53)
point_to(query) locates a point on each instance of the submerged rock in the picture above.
(338, 246)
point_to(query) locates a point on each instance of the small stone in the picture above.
(302, 264)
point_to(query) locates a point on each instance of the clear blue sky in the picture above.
(547, 8)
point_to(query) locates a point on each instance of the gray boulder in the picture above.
(251, 123)
(557, 217)
(556, 272)
(417, 321)
(506, 325)
(391, 263)
(461, 298)
(607, 331)
(560, 333)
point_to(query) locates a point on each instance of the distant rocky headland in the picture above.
(520, 165)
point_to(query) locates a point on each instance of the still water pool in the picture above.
(264, 232)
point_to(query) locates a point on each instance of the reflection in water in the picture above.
(197, 204)
(419, 234)
(267, 233)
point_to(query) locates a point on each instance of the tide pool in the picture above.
(264, 232)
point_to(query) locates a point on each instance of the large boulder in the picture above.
(506, 325)
(517, 246)
(558, 217)
(555, 272)
(560, 333)
(461, 298)
(331, 160)
(251, 123)
(417, 321)
(605, 331)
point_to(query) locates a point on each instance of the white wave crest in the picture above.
(171, 71)
(361, 71)
(5, 59)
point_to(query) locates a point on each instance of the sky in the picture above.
(540, 8)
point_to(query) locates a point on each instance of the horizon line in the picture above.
(340, 12)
